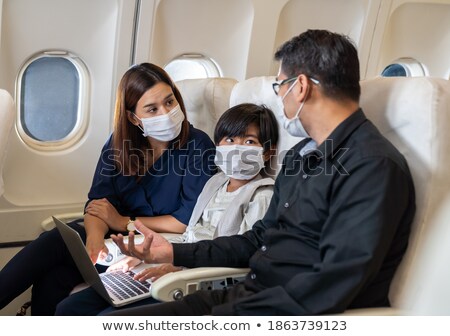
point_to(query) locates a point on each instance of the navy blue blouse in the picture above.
(170, 187)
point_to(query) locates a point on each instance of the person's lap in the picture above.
(196, 304)
(33, 265)
(89, 303)
(199, 303)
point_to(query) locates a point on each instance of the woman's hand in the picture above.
(104, 210)
(155, 272)
(124, 265)
(96, 248)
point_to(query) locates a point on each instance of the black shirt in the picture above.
(334, 234)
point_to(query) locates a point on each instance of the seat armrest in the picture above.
(174, 286)
(48, 223)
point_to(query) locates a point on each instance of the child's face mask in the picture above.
(239, 161)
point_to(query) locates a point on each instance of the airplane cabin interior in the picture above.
(61, 61)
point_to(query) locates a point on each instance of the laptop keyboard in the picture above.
(123, 286)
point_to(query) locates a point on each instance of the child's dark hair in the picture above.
(236, 120)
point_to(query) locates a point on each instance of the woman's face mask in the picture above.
(240, 162)
(164, 127)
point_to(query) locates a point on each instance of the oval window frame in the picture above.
(81, 123)
(412, 67)
(211, 67)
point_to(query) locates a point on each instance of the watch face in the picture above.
(131, 227)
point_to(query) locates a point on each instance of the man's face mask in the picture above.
(164, 127)
(239, 161)
(293, 126)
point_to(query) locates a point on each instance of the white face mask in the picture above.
(239, 162)
(293, 126)
(164, 127)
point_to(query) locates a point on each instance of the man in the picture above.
(340, 216)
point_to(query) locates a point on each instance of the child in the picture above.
(231, 201)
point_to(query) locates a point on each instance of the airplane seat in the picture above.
(258, 90)
(205, 100)
(414, 114)
(7, 114)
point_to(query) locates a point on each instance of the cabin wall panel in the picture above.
(354, 18)
(217, 29)
(420, 31)
(38, 183)
(413, 28)
(266, 19)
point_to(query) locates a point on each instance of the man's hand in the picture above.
(154, 248)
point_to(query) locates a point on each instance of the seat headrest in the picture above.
(258, 90)
(205, 100)
(413, 114)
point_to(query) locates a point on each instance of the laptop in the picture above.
(118, 288)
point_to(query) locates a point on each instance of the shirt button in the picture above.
(286, 205)
(305, 177)
(253, 276)
(264, 248)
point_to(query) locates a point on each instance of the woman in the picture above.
(153, 167)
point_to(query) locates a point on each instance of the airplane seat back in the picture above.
(205, 100)
(429, 290)
(414, 114)
(7, 113)
(258, 90)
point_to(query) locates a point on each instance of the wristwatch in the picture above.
(130, 224)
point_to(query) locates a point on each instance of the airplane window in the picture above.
(192, 66)
(404, 67)
(50, 97)
(394, 70)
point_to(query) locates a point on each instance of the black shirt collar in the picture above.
(337, 137)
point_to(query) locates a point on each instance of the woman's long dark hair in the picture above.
(128, 142)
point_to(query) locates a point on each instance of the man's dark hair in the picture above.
(328, 57)
(236, 120)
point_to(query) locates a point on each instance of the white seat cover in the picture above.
(205, 100)
(413, 113)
